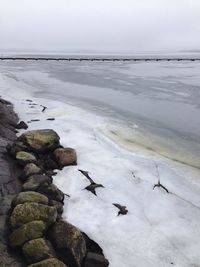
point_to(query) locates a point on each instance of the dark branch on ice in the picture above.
(122, 209)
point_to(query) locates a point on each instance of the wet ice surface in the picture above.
(160, 229)
(161, 98)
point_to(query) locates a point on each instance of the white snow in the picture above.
(160, 229)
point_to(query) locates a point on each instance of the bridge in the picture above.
(95, 59)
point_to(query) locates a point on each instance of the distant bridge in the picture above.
(96, 59)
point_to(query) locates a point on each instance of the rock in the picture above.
(8, 122)
(26, 232)
(50, 164)
(53, 262)
(27, 212)
(58, 205)
(29, 196)
(68, 242)
(30, 169)
(41, 140)
(5, 203)
(3, 229)
(95, 260)
(91, 245)
(24, 158)
(9, 260)
(16, 147)
(51, 191)
(33, 182)
(22, 125)
(65, 156)
(38, 250)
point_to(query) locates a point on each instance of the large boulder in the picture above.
(51, 191)
(65, 156)
(40, 140)
(53, 262)
(30, 169)
(24, 158)
(69, 243)
(34, 181)
(27, 212)
(26, 232)
(29, 196)
(95, 260)
(38, 250)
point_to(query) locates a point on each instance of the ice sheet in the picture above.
(160, 229)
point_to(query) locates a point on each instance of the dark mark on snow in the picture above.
(92, 185)
(122, 209)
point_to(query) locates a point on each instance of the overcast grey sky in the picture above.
(105, 25)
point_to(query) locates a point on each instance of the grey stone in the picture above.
(69, 243)
(95, 260)
(34, 181)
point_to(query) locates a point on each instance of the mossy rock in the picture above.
(27, 212)
(53, 262)
(51, 191)
(34, 181)
(69, 243)
(41, 140)
(16, 147)
(29, 196)
(30, 169)
(26, 232)
(58, 205)
(38, 250)
(65, 156)
(24, 158)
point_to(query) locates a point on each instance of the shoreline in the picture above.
(9, 184)
(128, 179)
(81, 250)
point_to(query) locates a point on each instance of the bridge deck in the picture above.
(98, 59)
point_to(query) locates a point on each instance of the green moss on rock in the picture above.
(41, 140)
(37, 250)
(29, 196)
(27, 212)
(53, 262)
(26, 232)
(23, 158)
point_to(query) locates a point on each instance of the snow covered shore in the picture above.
(160, 228)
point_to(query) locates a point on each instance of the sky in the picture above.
(99, 25)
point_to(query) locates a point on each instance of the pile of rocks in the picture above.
(35, 221)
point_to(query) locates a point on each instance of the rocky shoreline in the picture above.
(37, 231)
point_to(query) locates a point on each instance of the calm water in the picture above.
(161, 98)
